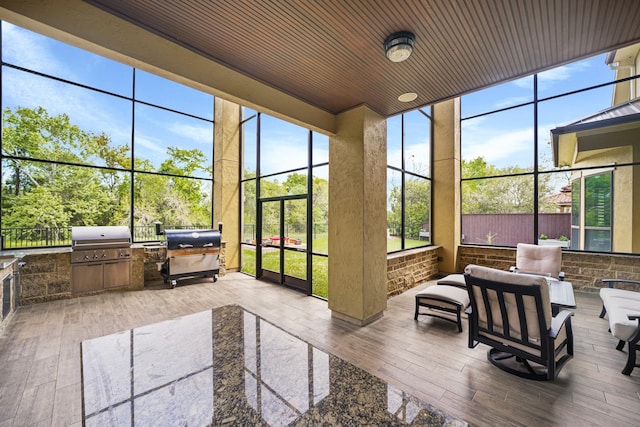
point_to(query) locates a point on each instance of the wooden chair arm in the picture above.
(558, 322)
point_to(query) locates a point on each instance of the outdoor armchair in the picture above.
(540, 260)
(511, 313)
(622, 307)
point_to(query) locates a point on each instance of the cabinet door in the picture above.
(116, 274)
(86, 277)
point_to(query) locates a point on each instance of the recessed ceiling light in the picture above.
(407, 97)
(399, 46)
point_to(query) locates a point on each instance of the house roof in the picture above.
(311, 60)
(563, 198)
(623, 117)
(628, 112)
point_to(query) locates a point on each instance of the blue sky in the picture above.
(501, 139)
(155, 129)
(506, 138)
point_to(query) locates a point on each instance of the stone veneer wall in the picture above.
(585, 271)
(408, 269)
(47, 277)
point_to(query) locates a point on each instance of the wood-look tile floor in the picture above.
(40, 355)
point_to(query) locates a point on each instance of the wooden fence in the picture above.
(511, 229)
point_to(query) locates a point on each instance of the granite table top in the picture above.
(227, 366)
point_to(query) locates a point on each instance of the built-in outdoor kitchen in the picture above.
(10, 290)
(104, 259)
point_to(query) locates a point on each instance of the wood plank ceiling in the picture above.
(329, 53)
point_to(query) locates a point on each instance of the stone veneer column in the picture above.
(358, 217)
(226, 185)
(445, 222)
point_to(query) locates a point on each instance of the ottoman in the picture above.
(453, 280)
(443, 299)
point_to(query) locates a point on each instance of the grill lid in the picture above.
(187, 239)
(91, 237)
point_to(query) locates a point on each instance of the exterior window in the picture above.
(71, 124)
(534, 151)
(591, 212)
(597, 212)
(409, 181)
(575, 214)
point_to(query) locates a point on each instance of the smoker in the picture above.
(191, 253)
(100, 258)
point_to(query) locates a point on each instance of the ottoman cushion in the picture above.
(452, 295)
(453, 280)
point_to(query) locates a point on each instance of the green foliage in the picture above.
(39, 193)
(417, 207)
(512, 194)
(543, 237)
(295, 210)
(320, 200)
(563, 238)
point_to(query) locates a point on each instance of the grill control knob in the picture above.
(85, 257)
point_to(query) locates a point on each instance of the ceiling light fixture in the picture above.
(399, 46)
(408, 97)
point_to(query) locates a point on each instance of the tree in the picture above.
(47, 194)
(417, 207)
(46, 181)
(504, 194)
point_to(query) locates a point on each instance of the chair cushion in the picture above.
(539, 259)
(619, 303)
(453, 280)
(531, 311)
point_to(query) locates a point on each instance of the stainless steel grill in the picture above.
(100, 258)
(191, 253)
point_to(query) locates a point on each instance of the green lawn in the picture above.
(321, 244)
(394, 243)
(295, 264)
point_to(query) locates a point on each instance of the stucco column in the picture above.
(358, 217)
(226, 185)
(446, 182)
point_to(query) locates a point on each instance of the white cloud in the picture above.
(282, 151)
(198, 134)
(525, 82)
(513, 147)
(513, 100)
(29, 50)
(150, 145)
(547, 79)
(564, 72)
(83, 107)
